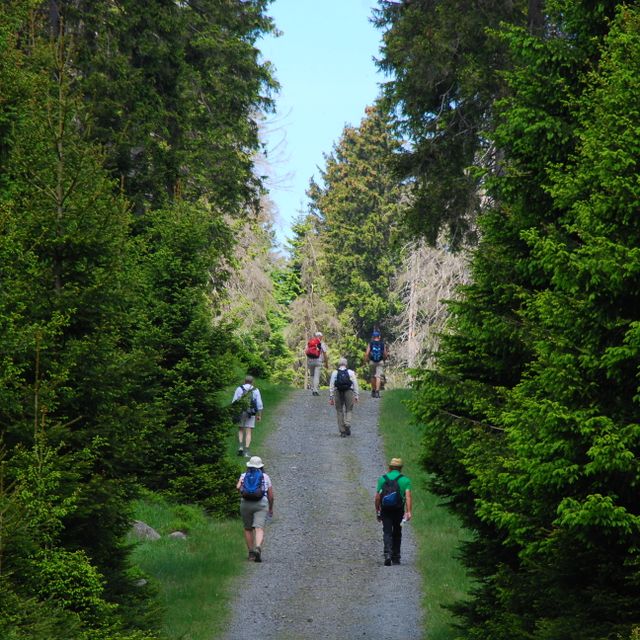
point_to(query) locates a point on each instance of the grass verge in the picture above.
(193, 577)
(437, 531)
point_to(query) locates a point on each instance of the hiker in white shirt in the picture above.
(343, 393)
(248, 417)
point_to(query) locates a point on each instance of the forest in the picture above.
(483, 215)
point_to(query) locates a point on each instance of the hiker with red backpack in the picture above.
(375, 355)
(317, 355)
(343, 393)
(256, 503)
(393, 509)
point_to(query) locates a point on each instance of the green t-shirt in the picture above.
(404, 483)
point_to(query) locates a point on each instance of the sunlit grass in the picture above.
(193, 575)
(438, 532)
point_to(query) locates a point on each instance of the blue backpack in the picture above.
(376, 350)
(252, 488)
(390, 495)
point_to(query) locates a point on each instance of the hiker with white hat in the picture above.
(317, 355)
(256, 503)
(393, 508)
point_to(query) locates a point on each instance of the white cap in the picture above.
(318, 334)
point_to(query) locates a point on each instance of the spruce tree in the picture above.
(358, 205)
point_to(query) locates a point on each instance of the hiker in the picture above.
(317, 355)
(393, 508)
(343, 392)
(250, 407)
(375, 355)
(256, 503)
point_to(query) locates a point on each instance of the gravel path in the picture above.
(322, 575)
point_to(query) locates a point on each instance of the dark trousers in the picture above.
(392, 533)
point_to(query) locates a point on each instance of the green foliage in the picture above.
(444, 67)
(70, 580)
(358, 205)
(108, 342)
(186, 443)
(530, 417)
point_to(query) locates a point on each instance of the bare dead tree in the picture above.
(428, 277)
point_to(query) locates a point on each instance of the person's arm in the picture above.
(239, 485)
(407, 504)
(356, 388)
(377, 504)
(332, 382)
(259, 405)
(367, 353)
(270, 498)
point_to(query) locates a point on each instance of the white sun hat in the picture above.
(255, 462)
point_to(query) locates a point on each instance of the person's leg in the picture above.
(387, 529)
(315, 385)
(372, 377)
(348, 408)
(339, 402)
(247, 436)
(240, 436)
(259, 523)
(248, 538)
(246, 511)
(396, 538)
(379, 370)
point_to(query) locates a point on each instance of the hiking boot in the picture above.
(347, 432)
(240, 451)
(395, 560)
(343, 434)
(373, 393)
(247, 453)
(252, 556)
(387, 561)
(257, 554)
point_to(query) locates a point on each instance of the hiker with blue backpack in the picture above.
(375, 356)
(256, 503)
(343, 393)
(393, 509)
(247, 402)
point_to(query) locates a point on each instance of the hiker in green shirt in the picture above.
(393, 507)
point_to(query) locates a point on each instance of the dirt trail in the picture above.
(323, 576)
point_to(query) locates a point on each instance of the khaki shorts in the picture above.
(376, 369)
(254, 513)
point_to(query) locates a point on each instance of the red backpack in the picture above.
(313, 348)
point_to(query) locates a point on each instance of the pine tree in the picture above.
(358, 205)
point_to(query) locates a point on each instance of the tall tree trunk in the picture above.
(536, 16)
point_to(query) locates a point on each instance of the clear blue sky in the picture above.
(324, 63)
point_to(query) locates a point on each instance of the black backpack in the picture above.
(390, 495)
(343, 380)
